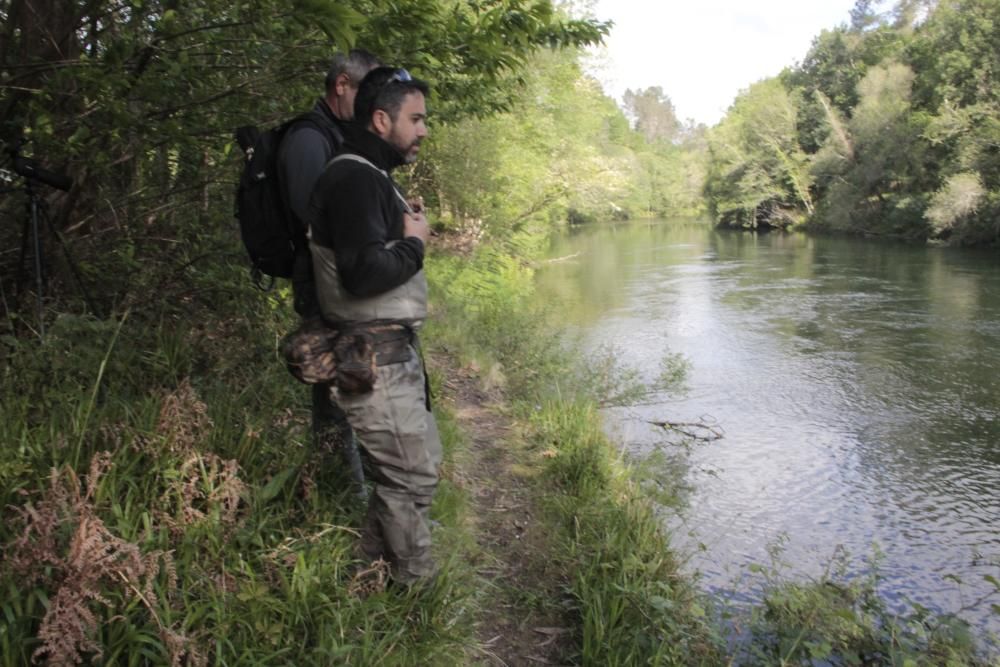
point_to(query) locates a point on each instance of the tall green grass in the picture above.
(163, 505)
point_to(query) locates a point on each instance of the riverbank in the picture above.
(162, 503)
(571, 564)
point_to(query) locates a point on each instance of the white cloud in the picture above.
(703, 53)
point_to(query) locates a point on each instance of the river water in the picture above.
(857, 384)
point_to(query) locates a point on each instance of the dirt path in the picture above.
(521, 622)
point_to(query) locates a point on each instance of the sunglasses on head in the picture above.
(399, 76)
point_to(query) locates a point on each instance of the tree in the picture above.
(654, 114)
(758, 174)
(899, 117)
(879, 187)
(955, 52)
(561, 152)
(863, 15)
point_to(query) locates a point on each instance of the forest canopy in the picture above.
(136, 101)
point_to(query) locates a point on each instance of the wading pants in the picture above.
(399, 439)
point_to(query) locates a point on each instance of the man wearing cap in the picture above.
(367, 243)
(304, 151)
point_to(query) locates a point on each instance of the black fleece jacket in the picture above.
(355, 211)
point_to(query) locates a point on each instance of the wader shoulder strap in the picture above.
(357, 158)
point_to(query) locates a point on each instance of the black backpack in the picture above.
(269, 231)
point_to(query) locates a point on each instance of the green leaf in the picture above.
(660, 603)
(272, 488)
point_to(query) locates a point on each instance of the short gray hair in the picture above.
(356, 64)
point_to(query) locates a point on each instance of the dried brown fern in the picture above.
(67, 630)
(91, 567)
(181, 647)
(66, 547)
(184, 419)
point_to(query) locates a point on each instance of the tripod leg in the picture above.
(25, 238)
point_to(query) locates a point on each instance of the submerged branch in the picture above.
(560, 259)
(701, 431)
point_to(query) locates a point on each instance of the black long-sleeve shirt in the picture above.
(356, 211)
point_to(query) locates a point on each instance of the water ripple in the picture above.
(859, 388)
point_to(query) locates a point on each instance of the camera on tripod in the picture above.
(31, 169)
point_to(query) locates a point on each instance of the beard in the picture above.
(407, 149)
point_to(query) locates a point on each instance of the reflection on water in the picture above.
(858, 384)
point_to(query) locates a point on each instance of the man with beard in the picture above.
(367, 243)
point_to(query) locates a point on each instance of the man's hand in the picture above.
(415, 224)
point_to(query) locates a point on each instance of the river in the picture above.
(857, 384)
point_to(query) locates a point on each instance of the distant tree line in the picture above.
(890, 126)
(564, 152)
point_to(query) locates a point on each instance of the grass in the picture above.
(163, 506)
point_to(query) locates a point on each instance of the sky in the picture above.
(703, 53)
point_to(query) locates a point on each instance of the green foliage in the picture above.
(955, 51)
(520, 169)
(895, 134)
(871, 190)
(758, 174)
(564, 151)
(847, 623)
(474, 54)
(137, 102)
(490, 294)
(840, 58)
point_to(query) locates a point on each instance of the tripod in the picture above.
(31, 236)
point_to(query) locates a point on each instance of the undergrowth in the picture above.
(162, 504)
(841, 620)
